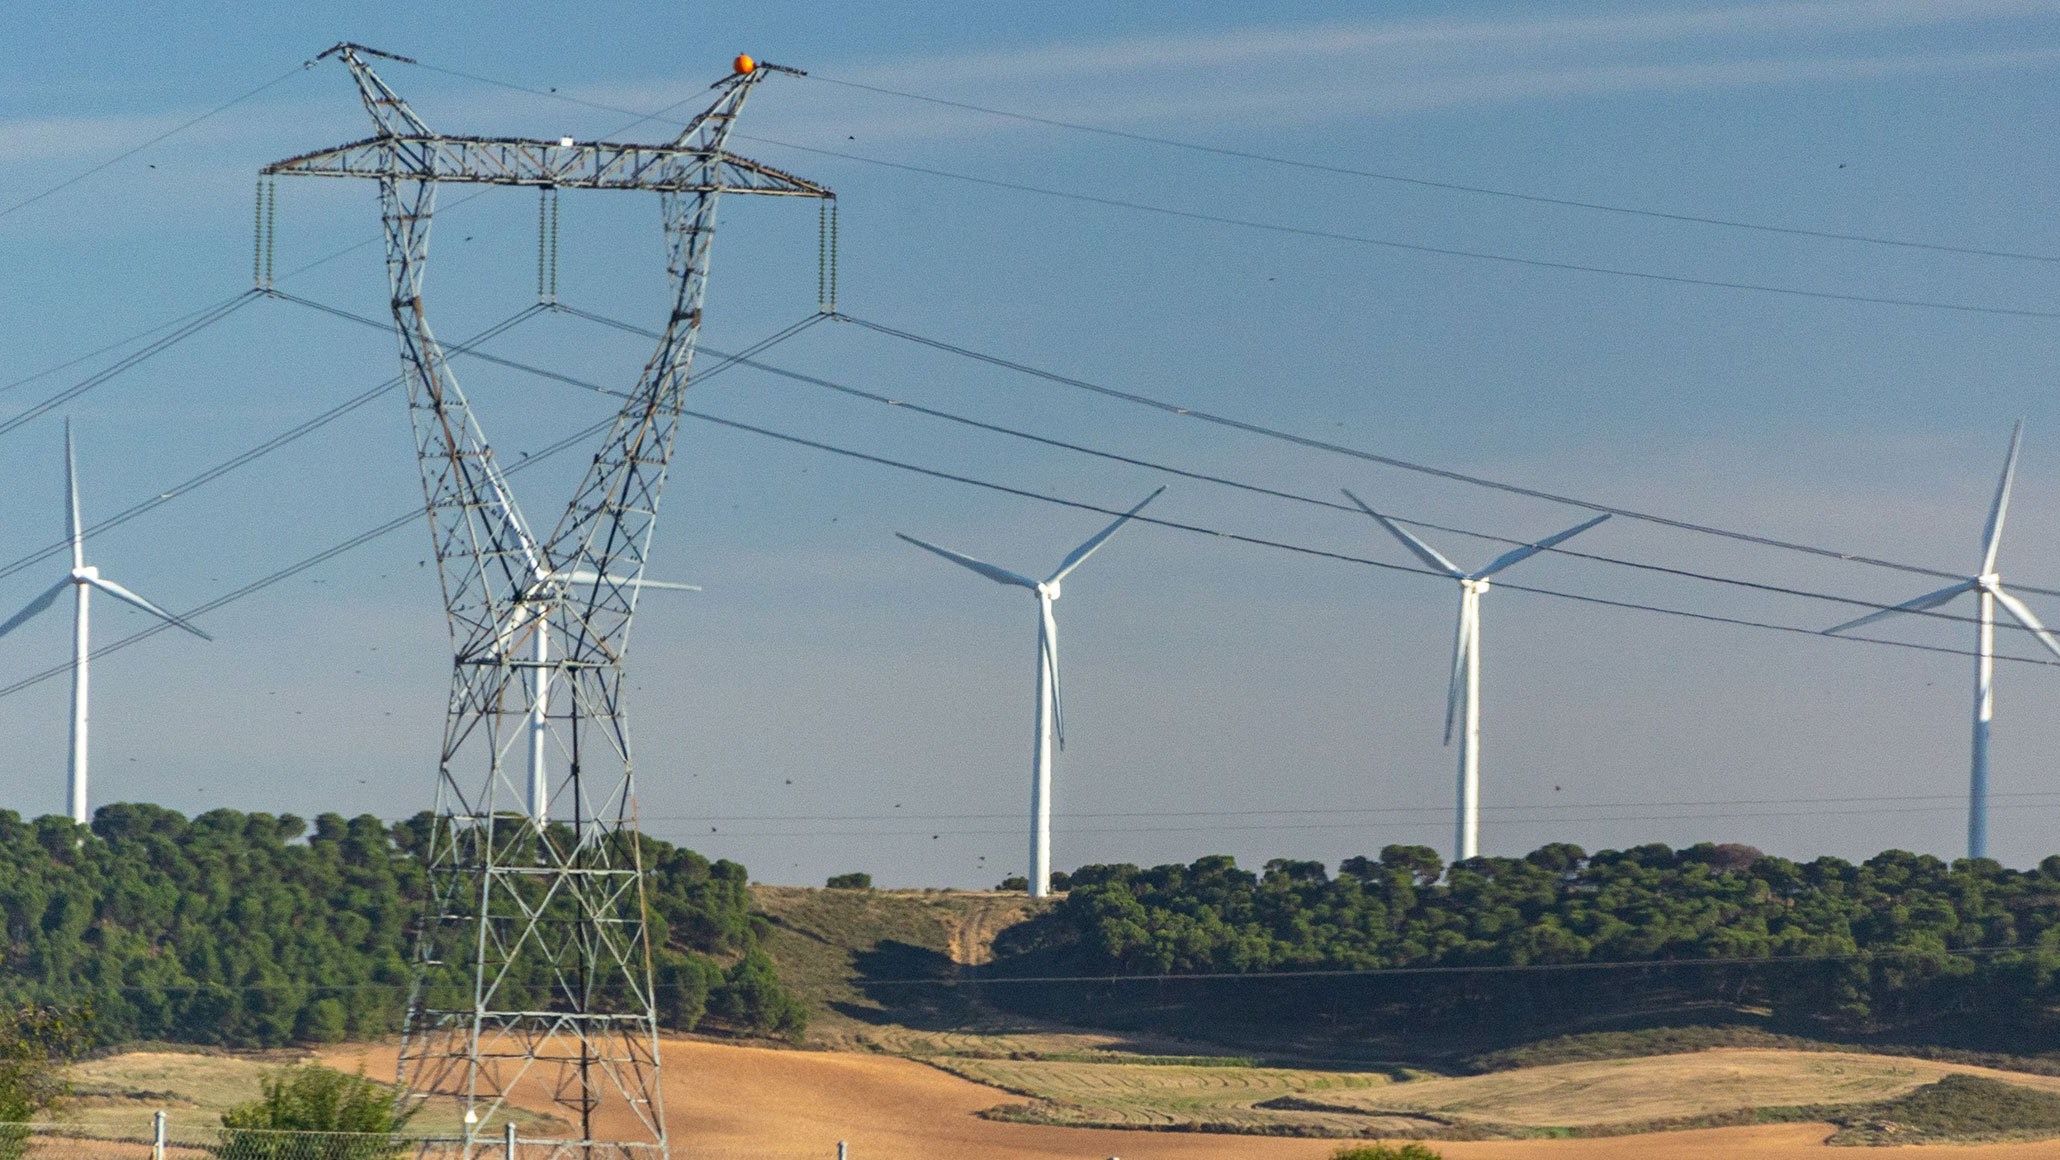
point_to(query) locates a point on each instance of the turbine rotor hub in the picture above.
(86, 572)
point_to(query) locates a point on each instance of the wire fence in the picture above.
(162, 1139)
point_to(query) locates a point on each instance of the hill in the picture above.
(256, 930)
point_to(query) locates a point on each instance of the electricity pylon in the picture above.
(534, 963)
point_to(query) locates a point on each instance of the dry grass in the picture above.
(1698, 1085)
(118, 1095)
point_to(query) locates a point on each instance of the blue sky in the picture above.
(835, 698)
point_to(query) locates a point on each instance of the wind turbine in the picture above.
(550, 588)
(1050, 720)
(1466, 661)
(82, 579)
(1988, 587)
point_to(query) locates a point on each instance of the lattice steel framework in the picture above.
(534, 958)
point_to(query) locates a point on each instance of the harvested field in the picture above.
(733, 1103)
(1668, 1087)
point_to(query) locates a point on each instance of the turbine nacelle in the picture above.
(85, 574)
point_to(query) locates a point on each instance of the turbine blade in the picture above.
(1423, 551)
(1528, 550)
(584, 576)
(1081, 553)
(122, 594)
(1051, 663)
(2024, 617)
(1992, 535)
(1928, 600)
(1462, 645)
(35, 606)
(71, 497)
(998, 575)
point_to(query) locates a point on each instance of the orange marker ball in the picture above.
(744, 64)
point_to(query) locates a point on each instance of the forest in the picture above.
(1902, 946)
(256, 930)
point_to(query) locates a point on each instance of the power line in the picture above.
(1331, 811)
(744, 358)
(125, 154)
(1341, 557)
(1358, 239)
(983, 979)
(1276, 493)
(1315, 444)
(972, 976)
(1449, 186)
(252, 454)
(186, 328)
(364, 537)
(1303, 827)
(1257, 541)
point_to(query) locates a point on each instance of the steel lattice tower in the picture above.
(534, 957)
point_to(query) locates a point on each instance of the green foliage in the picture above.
(1411, 1151)
(857, 880)
(36, 1041)
(311, 1099)
(255, 930)
(1826, 946)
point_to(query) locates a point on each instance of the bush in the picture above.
(1386, 1152)
(308, 1099)
(36, 1041)
(856, 880)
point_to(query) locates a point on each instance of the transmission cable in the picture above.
(1323, 235)
(370, 534)
(193, 324)
(1951, 799)
(1257, 489)
(140, 147)
(1315, 444)
(252, 454)
(1215, 533)
(1427, 183)
(1077, 505)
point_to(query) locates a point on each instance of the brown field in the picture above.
(735, 1102)
(1640, 1091)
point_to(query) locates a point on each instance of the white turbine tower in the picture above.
(1466, 661)
(1988, 587)
(82, 579)
(1050, 720)
(548, 589)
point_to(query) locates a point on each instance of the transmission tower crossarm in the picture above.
(561, 164)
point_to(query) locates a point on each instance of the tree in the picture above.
(36, 1042)
(856, 880)
(363, 1116)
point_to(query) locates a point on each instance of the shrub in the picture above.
(312, 1099)
(1386, 1152)
(856, 880)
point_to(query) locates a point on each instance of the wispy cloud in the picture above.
(1384, 68)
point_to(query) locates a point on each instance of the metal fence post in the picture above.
(843, 1153)
(157, 1137)
(508, 1135)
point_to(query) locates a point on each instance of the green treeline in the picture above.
(1903, 944)
(259, 930)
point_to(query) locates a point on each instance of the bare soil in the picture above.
(727, 1103)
